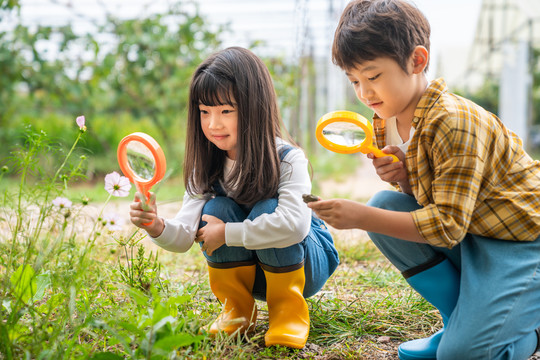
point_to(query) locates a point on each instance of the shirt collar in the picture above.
(435, 89)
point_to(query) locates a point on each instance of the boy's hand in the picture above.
(139, 217)
(339, 213)
(212, 235)
(392, 171)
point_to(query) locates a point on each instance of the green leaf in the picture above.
(140, 298)
(131, 328)
(106, 356)
(43, 282)
(173, 342)
(24, 283)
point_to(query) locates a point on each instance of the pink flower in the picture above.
(62, 202)
(113, 221)
(117, 185)
(81, 122)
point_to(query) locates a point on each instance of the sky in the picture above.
(453, 25)
(283, 23)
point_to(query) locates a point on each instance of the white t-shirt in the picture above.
(288, 225)
(393, 137)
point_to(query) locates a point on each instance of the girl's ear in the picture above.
(420, 58)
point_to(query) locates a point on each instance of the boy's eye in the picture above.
(374, 77)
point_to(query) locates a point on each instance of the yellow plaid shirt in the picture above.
(468, 171)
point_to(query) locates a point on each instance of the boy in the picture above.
(464, 229)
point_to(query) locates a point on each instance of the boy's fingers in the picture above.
(320, 205)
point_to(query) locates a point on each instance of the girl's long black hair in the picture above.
(235, 75)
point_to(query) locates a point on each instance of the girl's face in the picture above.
(219, 124)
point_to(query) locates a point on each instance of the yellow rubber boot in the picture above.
(288, 313)
(233, 287)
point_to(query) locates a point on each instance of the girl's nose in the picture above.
(215, 122)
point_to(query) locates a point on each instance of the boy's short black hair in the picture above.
(369, 29)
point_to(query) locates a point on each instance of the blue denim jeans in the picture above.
(317, 250)
(499, 297)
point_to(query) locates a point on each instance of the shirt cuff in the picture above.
(167, 239)
(233, 234)
(430, 228)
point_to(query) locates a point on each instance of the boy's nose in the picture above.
(364, 92)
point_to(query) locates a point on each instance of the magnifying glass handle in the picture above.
(379, 153)
(145, 201)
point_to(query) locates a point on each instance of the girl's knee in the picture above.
(266, 206)
(282, 257)
(223, 208)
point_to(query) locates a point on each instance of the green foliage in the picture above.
(135, 80)
(58, 297)
(486, 96)
(139, 272)
(138, 84)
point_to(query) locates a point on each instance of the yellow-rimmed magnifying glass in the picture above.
(347, 132)
(142, 161)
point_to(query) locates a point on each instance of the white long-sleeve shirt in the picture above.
(288, 225)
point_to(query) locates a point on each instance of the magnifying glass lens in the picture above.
(141, 160)
(344, 133)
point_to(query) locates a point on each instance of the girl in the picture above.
(243, 203)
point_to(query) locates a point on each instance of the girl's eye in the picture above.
(374, 77)
(227, 111)
(202, 111)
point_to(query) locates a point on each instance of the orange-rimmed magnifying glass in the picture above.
(142, 161)
(347, 132)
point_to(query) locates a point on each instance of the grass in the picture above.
(72, 288)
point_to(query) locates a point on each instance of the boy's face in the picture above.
(383, 86)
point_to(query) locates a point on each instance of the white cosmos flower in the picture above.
(117, 185)
(113, 221)
(62, 202)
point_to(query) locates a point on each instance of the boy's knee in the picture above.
(393, 200)
(385, 199)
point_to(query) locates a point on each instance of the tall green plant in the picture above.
(59, 299)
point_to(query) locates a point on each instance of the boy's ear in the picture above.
(420, 58)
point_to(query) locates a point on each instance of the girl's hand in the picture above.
(392, 171)
(212, 235)
(154, 224)
(339, 213)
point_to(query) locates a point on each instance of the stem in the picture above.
(67, 157)
(44, 209)
(92, 234)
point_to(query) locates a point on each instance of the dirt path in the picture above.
(360, 186)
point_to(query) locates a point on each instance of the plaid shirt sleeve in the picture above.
(469, 173)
